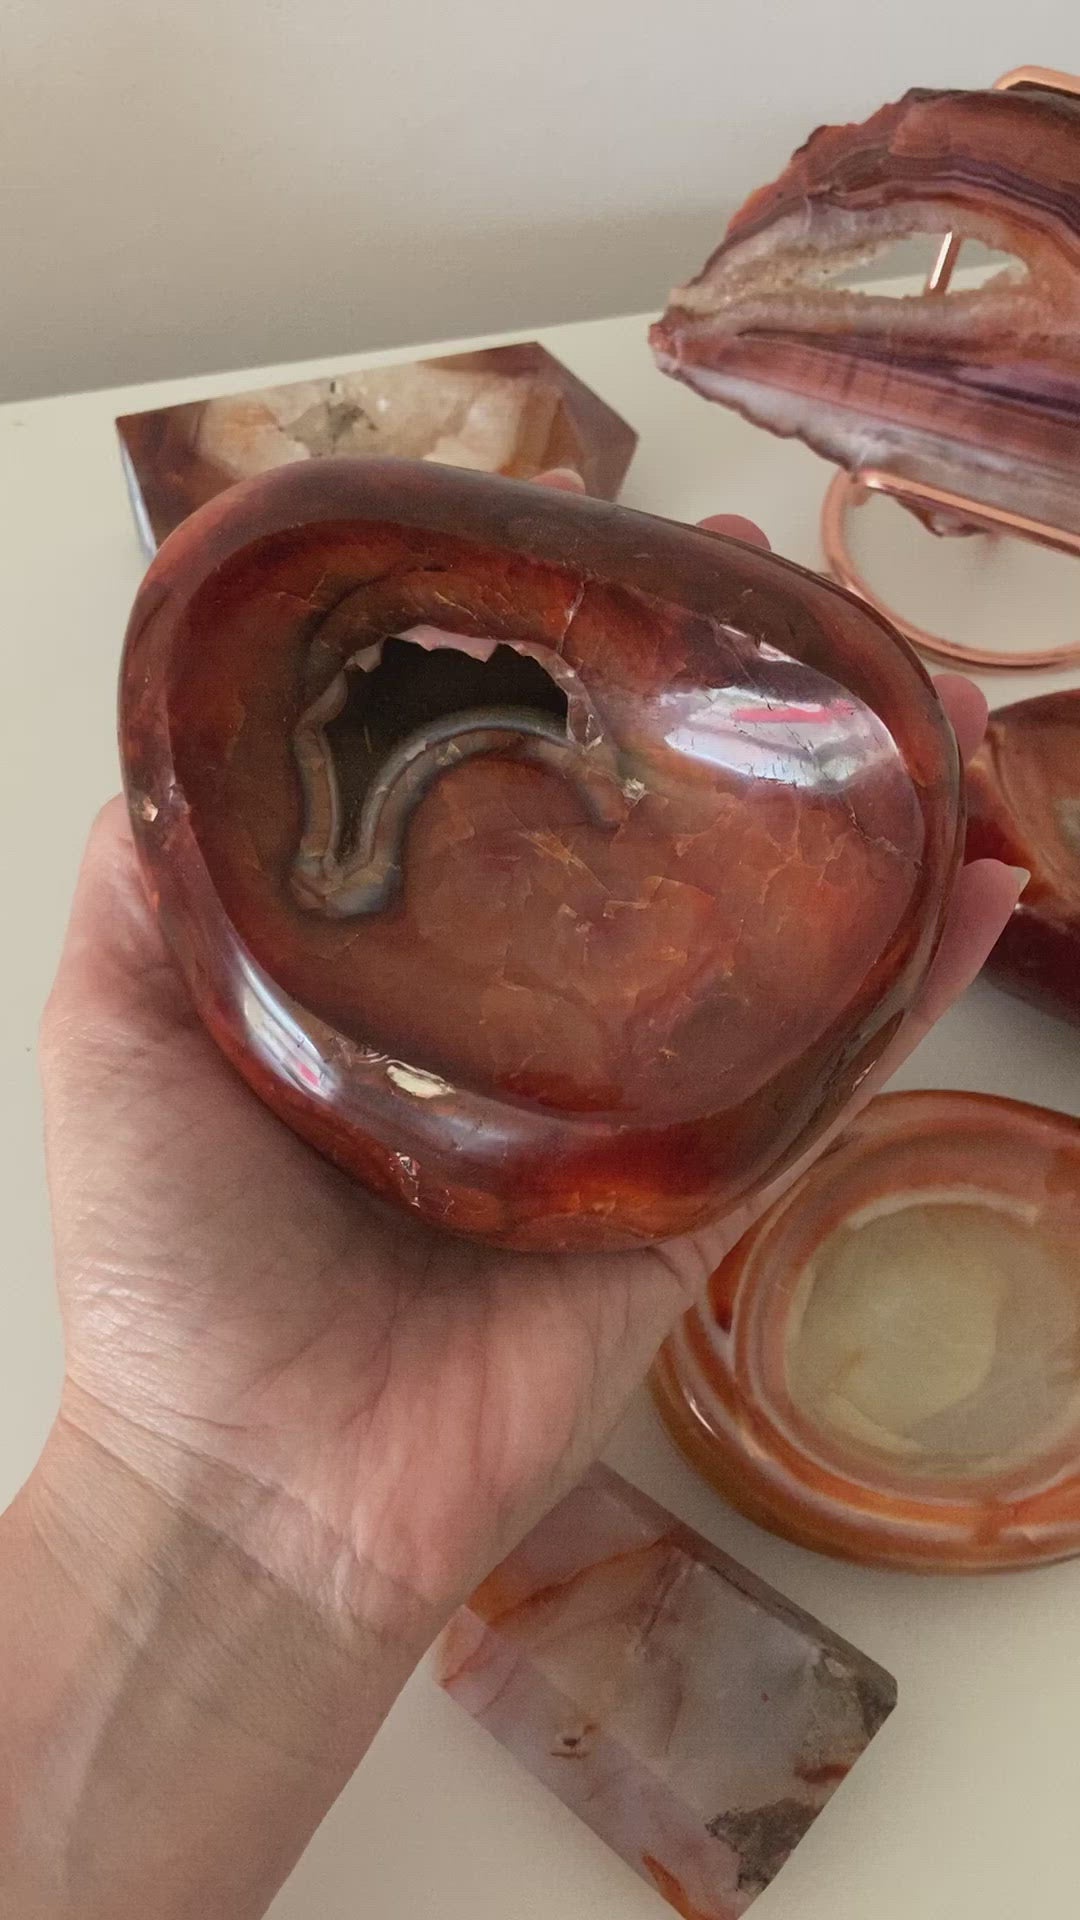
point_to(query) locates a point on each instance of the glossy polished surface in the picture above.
(974, 392)
(888, 1365)
(514, 410)
(693, 1718)
(1024, 807)
(555, 869)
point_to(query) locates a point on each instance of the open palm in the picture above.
(366, 1405)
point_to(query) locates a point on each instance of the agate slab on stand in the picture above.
(694, 1719)
(514, 410)
(972, 392)
(887, 1367)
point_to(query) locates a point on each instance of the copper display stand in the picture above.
(848, 491)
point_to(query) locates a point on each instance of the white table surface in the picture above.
(965, 1807)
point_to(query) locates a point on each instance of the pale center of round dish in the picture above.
(939, 1334)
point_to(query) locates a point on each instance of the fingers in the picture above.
(112, 944)
(967, 710)
(735, 527)
(563, 479)
(983, 899)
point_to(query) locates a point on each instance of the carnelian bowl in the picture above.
(556, 870)
(887, 1366)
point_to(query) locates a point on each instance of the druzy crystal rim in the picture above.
(338, 1092)
(721, 1387)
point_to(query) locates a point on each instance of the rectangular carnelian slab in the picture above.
(693, 1718)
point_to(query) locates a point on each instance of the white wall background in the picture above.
(189, 185)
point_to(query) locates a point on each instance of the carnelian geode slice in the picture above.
(555, 869)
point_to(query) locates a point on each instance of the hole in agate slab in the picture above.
(407, 709)
(914, 256)
(938, 1334)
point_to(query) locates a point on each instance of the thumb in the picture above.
(114, 971)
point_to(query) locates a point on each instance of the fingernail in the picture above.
(564, 477)
(1022, 878)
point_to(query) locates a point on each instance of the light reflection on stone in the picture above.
(812, 735)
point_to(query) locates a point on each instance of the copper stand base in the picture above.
(850, 490)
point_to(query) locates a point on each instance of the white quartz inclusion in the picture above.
(944, 1335)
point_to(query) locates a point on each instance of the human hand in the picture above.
(375, 1412)
(295, 1429)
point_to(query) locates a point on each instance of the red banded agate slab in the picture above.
(974, 392)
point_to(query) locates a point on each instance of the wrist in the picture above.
(170, 1554)
(189, 1512)
(171, 1707)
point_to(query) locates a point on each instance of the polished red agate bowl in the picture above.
(556, 870)
(887, 1366)
(1024, 807)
